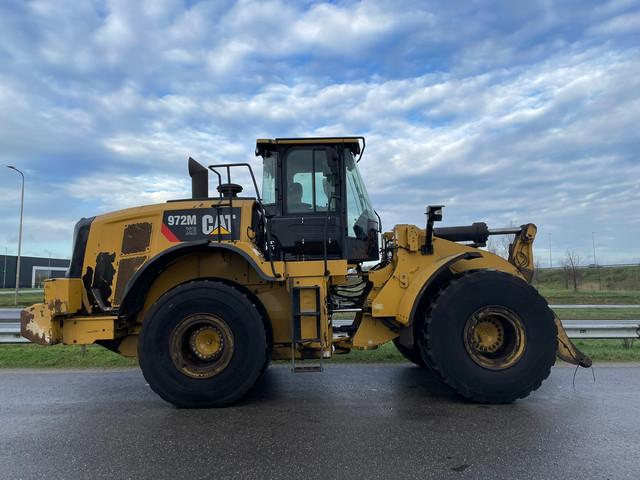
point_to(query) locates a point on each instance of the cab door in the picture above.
(308, 221)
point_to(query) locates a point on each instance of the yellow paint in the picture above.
(207, 342)
(372, 333)
(308, 323)
(129, 346)
(87, 329)
(521, 252)
(63, 295)
(396, 287)
(488, 336)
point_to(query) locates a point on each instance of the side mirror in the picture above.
(434, 213)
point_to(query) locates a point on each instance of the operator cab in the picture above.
(315, 200)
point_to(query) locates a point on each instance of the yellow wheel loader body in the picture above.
(287, 262)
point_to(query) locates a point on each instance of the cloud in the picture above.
(146, 189)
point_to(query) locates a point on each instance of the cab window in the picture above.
(311, 181)
(269, 179)
(359, 210)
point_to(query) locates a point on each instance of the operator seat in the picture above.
(294, 199)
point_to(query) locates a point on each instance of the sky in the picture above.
(505, 112)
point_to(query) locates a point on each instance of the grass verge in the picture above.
(60, 356)
(598, 313)
(25, 299)
(602, 297)
(598, 350)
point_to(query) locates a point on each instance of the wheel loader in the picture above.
(205, 291)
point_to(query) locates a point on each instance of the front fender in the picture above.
(419, 285)
(401, 294)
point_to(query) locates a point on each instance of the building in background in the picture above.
(33, 270)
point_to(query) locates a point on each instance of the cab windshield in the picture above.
(360, 213)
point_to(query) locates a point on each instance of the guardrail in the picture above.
(10, 333)
(602, 329)
(585, 329)
(567, 306)
(10, 326)
(591, 266)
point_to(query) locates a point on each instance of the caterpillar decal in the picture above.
(201, 223)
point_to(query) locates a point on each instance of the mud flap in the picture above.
(567, 351)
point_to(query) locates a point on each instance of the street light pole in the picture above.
(19, 232)
(4, 271)
(49, 253)
(550, 260)
(595, 260)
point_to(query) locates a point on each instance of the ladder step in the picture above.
(306, 314)
(306, 368)
(345, 328)
(297, 317)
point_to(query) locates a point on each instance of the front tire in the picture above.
(490, 336)
(412, 354)
(203, 344)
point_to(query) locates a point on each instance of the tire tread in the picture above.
(461, 388)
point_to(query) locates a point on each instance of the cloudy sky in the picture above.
(509, 113)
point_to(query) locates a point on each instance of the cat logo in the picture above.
(189, 225)
(217, 224)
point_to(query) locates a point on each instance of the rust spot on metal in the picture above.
(136, 238)
(25, 318)
(87, 278)
(57, 307)
(30, 329)
(103, 277)
(126, 269)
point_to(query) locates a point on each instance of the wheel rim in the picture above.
(201, 346)
(494, 337)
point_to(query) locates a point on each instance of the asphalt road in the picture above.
(369, 421)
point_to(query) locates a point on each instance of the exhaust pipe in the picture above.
(199, 180)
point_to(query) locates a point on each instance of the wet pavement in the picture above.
(362, 421)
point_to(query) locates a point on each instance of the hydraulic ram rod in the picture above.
(504, 231)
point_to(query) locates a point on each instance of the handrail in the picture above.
(228, 167)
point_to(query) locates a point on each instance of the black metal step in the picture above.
(345, 329)
(306, 368)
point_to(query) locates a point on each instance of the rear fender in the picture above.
(136, 290)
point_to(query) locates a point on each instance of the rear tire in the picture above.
(490, 336)
(203, 344)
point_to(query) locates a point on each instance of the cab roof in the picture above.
(267, 144)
